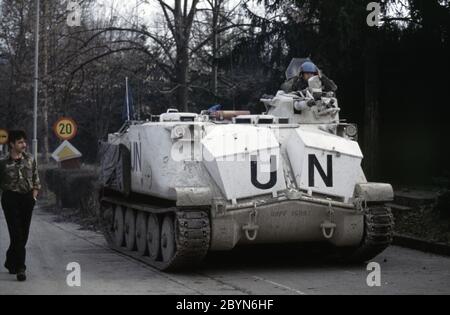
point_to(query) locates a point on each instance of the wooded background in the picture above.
(393, 80)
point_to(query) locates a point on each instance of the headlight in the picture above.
(351, 131)
(178, 132)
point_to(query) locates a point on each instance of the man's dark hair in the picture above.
(15, 135)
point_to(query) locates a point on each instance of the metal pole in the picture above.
(127, 100)
(36, 82)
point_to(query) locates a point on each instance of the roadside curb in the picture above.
(422, 245)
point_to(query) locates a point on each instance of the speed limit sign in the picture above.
(65, 128)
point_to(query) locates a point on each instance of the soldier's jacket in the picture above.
(19, 176)
(297, 83)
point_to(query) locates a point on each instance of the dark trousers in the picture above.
(18, 209)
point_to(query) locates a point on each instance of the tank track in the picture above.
(192, 234)
(193, 238)
(378, 235)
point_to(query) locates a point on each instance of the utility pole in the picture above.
(127, 99)
(36, 82)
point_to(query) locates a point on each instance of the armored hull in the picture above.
(185, 184)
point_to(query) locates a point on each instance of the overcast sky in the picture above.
(147, 12)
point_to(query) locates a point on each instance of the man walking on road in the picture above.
(19, 181)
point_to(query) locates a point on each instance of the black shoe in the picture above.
(21, 276)
(12, 271)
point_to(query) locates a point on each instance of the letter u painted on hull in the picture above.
(273, 173)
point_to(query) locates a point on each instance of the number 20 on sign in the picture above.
(65, 128)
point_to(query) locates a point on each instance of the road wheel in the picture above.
(153, 236)
(130, 229)
(167, 239)
(141, 232)
(119, 227)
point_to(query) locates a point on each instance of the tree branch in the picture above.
(219, 31)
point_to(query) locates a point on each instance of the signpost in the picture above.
(36, 82)
(66, 154)
(65, 128)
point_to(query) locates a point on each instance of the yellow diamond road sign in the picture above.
(3, 136)
(66, 151)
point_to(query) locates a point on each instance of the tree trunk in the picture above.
(371, 112)
(182, 77)
(215, 47)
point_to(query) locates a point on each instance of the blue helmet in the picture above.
(308, 67)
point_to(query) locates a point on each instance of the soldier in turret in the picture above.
(300, 82)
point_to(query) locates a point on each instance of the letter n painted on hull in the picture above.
(313, 163)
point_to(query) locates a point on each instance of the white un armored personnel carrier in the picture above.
(184, 184)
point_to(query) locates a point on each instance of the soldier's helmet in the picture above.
(296, 66)
(308, 67)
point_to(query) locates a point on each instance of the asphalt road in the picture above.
(54, 245)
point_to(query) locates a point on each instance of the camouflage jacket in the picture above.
(19, 175)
